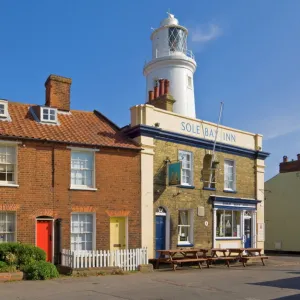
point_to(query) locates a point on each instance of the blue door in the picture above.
(160, 240)
(247, 233)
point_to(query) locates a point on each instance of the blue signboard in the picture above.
(174, 173)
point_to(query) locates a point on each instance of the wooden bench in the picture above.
(251, 254)
(226, 259)
(261, 257)
(180, 261)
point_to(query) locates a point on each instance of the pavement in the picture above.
(279, 279)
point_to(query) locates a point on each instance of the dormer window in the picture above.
(48, 114)
(3, 109)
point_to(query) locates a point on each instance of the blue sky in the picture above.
(247, 54)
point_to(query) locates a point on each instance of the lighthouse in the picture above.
(172, 60)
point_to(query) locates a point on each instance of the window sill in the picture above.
(209, 189)
(185, 245)
(79, 188)
(9, 185)
(228, 238)
(230, 191)
(186, 186)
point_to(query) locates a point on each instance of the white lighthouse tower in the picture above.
(173, 61)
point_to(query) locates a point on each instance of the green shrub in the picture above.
(7, 268)
(25, 254)
(40, 270)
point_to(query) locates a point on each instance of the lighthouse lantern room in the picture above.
(173, 61)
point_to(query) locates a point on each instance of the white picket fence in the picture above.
(127, 259)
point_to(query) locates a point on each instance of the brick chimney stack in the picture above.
(58, 92)
(160, 97)
(289, 166)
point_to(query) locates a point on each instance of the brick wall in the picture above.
(175, 198)
(44, 182)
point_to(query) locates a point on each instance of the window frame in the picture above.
(84, 187)
(49, 110)
(15, 182)
(234, 175)
(191, 183)
(8, 232)
(189, 84)
(93, 232)
(237, 237)
(190, 240)
(5, 106)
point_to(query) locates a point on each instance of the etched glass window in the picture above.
(177, 39)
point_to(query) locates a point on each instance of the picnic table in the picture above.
(226, 258)
(254, 253)
(179, 256)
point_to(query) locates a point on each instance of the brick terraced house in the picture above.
(68, 179)
(193, 196)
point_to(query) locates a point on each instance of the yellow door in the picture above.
(117, 233)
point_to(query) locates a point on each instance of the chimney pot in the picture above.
(151, 95)
(285, 158)
(58, 92)
(167, 84)
(161, 87)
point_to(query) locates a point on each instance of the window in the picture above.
(184, 227)
(82, 232)
(177, 39)
(228, 223)
(189, 82)
(48, 114)
(82, 169)
(229, 175)
(7, 164)
(3, 109)
(7, 227)
(186, 159)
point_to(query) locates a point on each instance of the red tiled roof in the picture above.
(76, 127)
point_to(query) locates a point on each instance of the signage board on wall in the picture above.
(260, 232)
(174, 173)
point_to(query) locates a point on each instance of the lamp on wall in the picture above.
(156, 124)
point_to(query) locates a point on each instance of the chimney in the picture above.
(155, 91)
(161, 87)
(151, 96)
(58, 92)
(285, 159)
(298, 156)
(167, 84)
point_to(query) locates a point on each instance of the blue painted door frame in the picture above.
(248, 232)
(160, 238)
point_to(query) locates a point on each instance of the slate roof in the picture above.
(75, 127)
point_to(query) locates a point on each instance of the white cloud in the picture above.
(205, 33)
(279, 126)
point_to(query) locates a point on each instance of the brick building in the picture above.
(192, 195)
(282, 206)
(68, 179)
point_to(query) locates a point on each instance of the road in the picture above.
(280, 279)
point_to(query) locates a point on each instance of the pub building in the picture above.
(192, 194)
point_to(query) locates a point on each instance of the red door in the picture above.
(44, 237)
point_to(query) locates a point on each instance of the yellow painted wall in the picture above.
(282, 206)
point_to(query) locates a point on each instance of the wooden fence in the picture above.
(127, 259)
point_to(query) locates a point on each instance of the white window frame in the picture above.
(234, 175)
(11, 183)
(6, 231)
(93, 233)
(84, 187)
(5, 114)
(49, 110)
(190, 226)
(189, 82)
(238, 237)
(180, 152)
